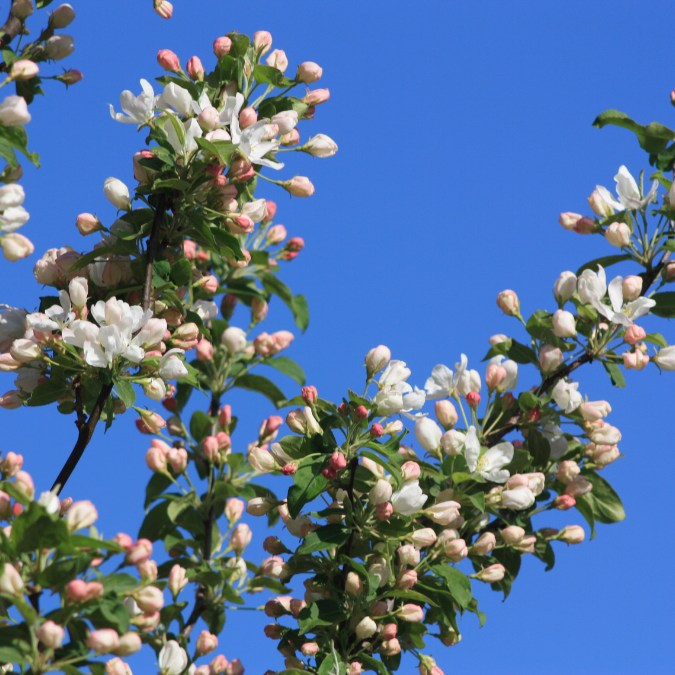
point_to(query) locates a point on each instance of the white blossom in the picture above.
(490, 464)
(136, 109)
(172, 659)
(409, 499)
(630, 195)
(566, 396)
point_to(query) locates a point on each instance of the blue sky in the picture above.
(464, 129)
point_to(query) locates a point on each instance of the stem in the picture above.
(83, 438)
(152, 249)
(207, 549)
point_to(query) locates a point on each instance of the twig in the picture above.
(83, 438)
(152, 249)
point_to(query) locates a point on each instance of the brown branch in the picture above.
(11, 28)
(83, 438)
(152, 250)
(201, 594)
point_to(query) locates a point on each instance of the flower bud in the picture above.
(569, 220)
(424, 537)
(485, 544)
(222, 46)
(177, 580)
(411, 612)
(50, 634)
(299, 186)
(262, 41)
(618, 234)
(408, 555)
(446, 414)
(428, 434)
(278, 59)
(117, 193)
(599, 205)
(565, 287)
(381, 492)
(169, 60)
(564, 324)
(316, 97)
(320, 146)
(11, 582)
(62, 16)
(164, 8)
(206, 643)
(130, 643)
(81, 515)
(149, 599)
(308, 72)
(578, 487)
(23, 69)
(631, 287)
(390, 647)
(15, 246)
(234, 340)
(353, 585)
(241, 538)
(567, 471)
(572, 534)
(492, 574)
(103, 641)
(365, 629)
(195, 69)
(58, 47)
(508, 302)
(564, 502)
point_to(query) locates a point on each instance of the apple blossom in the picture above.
(565, 287)
(172, 659)
(14, 112)
(409, 499)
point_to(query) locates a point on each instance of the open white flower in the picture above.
(443, 383)
(490, 464)
(616, 311)
(182, 135)
(566, 396)
(630, 195)
(176, 98)
(409, 499)
(172, 659)
(136, 109)
(253, 144)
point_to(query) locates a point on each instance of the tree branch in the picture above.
(83, 438)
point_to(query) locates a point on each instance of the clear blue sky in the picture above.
(464, 129)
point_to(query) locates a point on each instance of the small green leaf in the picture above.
(615, 374)
(458, 583)
(288, 367)
(263, 386)
(309, 484)
(606, 261)
(125, 391)
(665, 304)
(323, 539)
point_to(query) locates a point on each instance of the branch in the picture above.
(83, 438)
(152, 249)
(11, 28)
(201, 592)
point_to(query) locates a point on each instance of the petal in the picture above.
(471, 448)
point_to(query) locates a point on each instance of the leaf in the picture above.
(156, 485)
(156, 524)
(309, 484)
(665, 304)
(538, 447)
(606, 261)
(200, 425)
(270, 75)
(34, 530)
(615, 374)
(300, 311)
(288, 367)
(47, 392)
(263, 386)
(323, 539)
(181, 272)
(15, 646)
(125, 391)
(321, 613)
(604, 503)
(458, 583)
(653, 138)
(297, 304)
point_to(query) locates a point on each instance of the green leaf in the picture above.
(200, 425)
(309, 484)
(653, 138)
(119, 583)
(321, 613)
(602, 500)
(263, 386)
(156, 485)
(288, 367)
(47, 392)
(15, 644)
(297, 304)
(606, 261)
(157, 524)
(181, 272)
(458, 583)
(665, 304)
(538, 447)
(270, 75)
(323, 539)
(300, 311)
(615, 374)
(125, 391)
(34, 530)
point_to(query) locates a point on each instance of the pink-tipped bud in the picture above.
(446, 414)
(23, 69)
(139, 552)
(103, 641)
(247, 117)
(164, 8)
(634, 334)
(508, 302)
(299, 186)
(338, 461)
(564, 502)
(473, 399)
(168, 60)
(569, 220)
(384, 511)
(87, 223)
(376, 430)
(50, 634)
(262, 41)
(361, 412)
(225, 416)
(631, 287)
(70, 77)
(309, 72)
(195, 69)
(177, 580)
(222, 46)
(241, 538)
(206, 643)
(572, 534)
(317, 96)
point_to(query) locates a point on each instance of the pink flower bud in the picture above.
(634, 334)
(274, 567)
(636, 360)
(164, 8)
(177, 580)
(317, 97)
(278, 59)
(508, 302)
(446, 414)
(50, 634)
(147, 570)
(168, 60)
(247, 117)
(299, 186)
(195, 69)
(595, 410)
(103, 641)
(384, 511)
(11, 464)
(389, 631)
(222, 46)
(81, 515)
(494, 376)
(11, 400)
(139, 552)
(390, 647)
(149, 599)
(585, 225)
(564, 502)
(338, 461)
(485, 544)
(225, 416)
(309, 395)
(87, 223)
(473, 399)
(150, 422)
(550, 358)
(572, 534)
(234, 508)
(276, 234)
(411, 470)
(567, 471)
(631, 287)
(262, 41)
(309, 72)
(11, 582)
(23, 69)
(492, 574)
(156, 460)
(618, 234)
(206, 643)
(71, 76)
(241, 538)
(602, 454)
(130, 643)
(569, 220)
